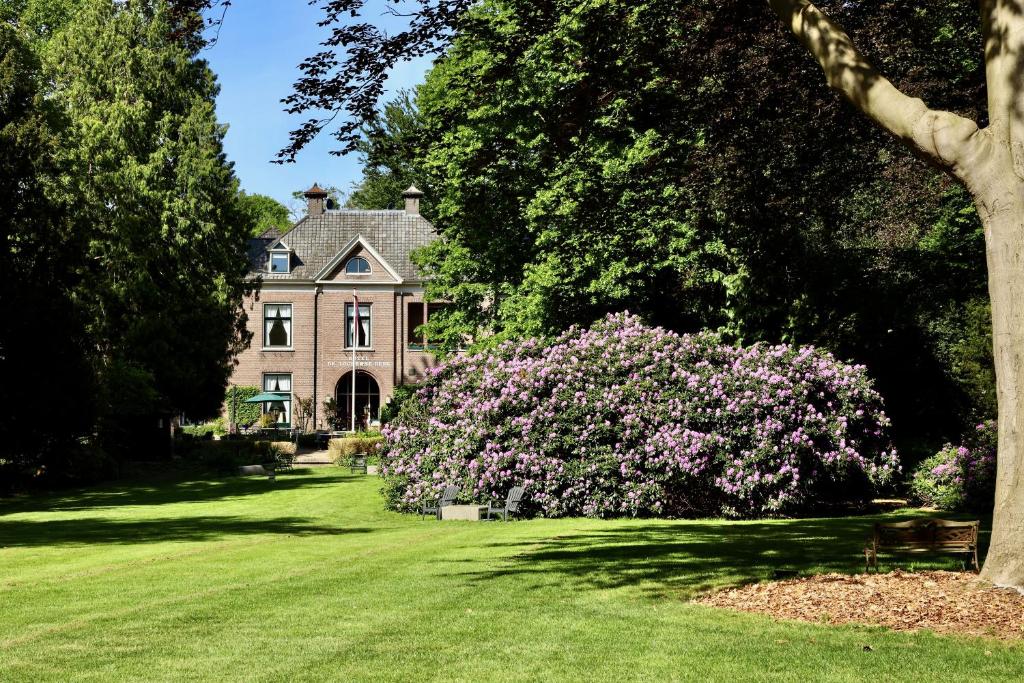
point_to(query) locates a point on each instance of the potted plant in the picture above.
(332, 415)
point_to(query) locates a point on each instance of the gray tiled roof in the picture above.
(316, 240)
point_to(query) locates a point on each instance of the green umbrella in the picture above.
(267, 397)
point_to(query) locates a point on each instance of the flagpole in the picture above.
(355, 343)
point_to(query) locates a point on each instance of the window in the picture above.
(277, 326)
(280, 262)
(279, 383)
(434, 308)
(415, 319)
(364, 326)
(418, 314)
(357, 266)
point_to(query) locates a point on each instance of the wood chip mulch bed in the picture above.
(944, 602)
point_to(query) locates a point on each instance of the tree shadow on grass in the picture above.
(687, 558)
(96, 530)
(172, 489)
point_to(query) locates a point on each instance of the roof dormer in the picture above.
(280, 260)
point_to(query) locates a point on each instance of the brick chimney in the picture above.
(412, 200)
(316, 200)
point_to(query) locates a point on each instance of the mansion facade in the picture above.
(338, 289)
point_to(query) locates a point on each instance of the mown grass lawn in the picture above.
(308, 578)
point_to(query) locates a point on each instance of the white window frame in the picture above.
(350, 306)
(291, 330)
(369, 267)
(291, 395)
(280, 252)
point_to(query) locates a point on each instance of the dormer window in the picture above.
(280, 262)
(357, 265)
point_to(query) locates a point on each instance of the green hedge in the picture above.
(207, 429)
(226, 456)
(247, 413)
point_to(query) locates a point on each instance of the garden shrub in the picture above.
(401, 393)
(960, 477)
(624, 419)
(207, 429)
(344, 448)
(80, 463)
(226, 456)
(286, 447)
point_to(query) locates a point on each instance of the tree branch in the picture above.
(944, 138)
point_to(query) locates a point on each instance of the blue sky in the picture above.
(256, 56)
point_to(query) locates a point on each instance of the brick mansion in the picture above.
(304, 317)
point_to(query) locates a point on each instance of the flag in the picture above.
(355, 344)
(355, 320)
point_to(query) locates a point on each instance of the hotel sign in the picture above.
(360, 363)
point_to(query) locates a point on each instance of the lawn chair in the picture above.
(434, 506)
(285, 461)
(515, 496)
(357, 463)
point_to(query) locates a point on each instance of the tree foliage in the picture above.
(125, 251)
(347, 77)
(43, 346)
(387, 148)
(260, 212)
(587, 158)
(165, 258)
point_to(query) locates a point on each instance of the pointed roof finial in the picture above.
(412, 192)
(315, 191)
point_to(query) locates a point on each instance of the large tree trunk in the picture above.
(996, 179)
(1002, 214)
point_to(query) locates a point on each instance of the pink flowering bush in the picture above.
(960, 477)
(624, 419)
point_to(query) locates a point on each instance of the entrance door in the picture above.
(367, 399)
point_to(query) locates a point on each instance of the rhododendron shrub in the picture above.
(960, 477)
(625, 419)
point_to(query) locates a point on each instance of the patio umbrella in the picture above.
(267, 397)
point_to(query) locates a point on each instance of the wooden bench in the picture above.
(923, 536)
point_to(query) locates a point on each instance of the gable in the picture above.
(380, 270)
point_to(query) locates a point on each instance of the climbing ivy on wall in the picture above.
(239, 411)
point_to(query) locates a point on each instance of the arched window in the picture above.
(367, 399)
(357, 265)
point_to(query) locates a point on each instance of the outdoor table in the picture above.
(472, 513)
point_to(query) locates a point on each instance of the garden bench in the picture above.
(434, 506)
(923, 536)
